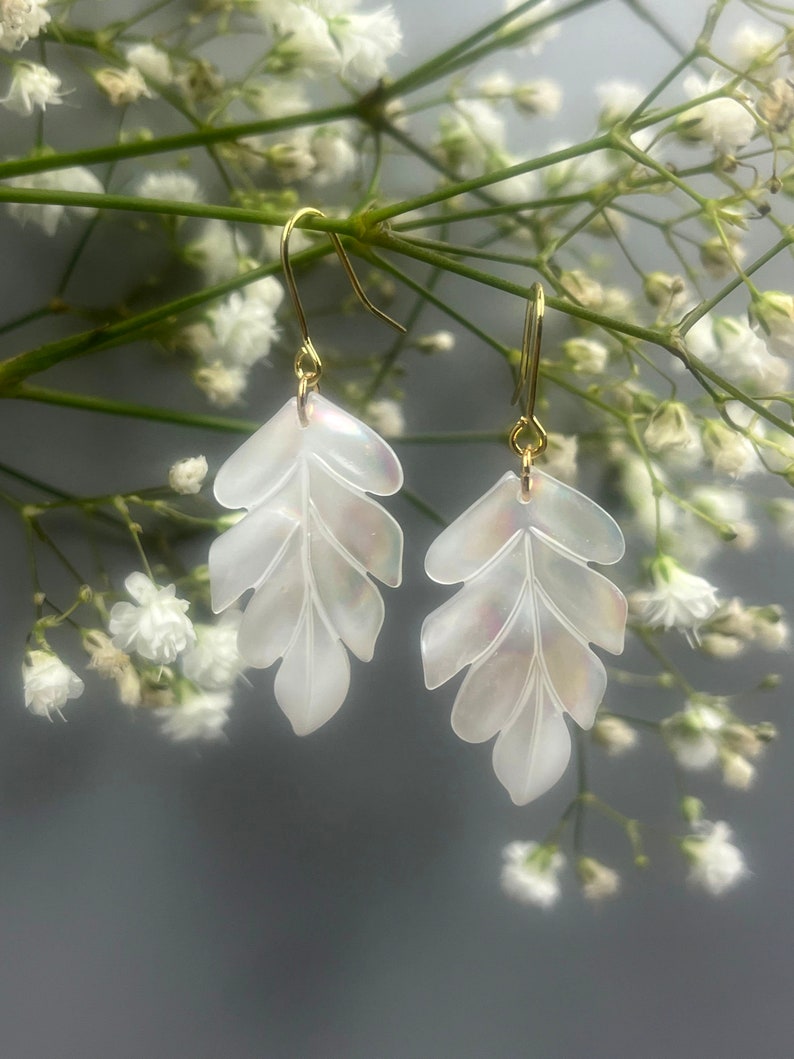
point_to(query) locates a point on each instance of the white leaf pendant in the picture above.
(522, 621)
(309, 540)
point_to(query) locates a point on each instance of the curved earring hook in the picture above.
(308, 366)
(527, 387)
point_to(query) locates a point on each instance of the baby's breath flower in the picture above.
(776, 104)
(670, 427)
(223, 385)
(716, 865)
(753, 47)
(728, 344)
(48, 216)
(169, 184)
(559, 459)
(586, 354)
(48, 683)
(693, 735)
(723, 122)
(542, 97)
(122, 87)
(214, 662)
(773, 315)
(187, 476)
(335, 157)
(679, 599)
(618, 99)
(21, 21)
(32, 85)
(730, 453)
(200, 715)
(533, 39)
(156, 625)
(737, 772)
(597, 880)
(385, 416)
(436, 342)
(530, 873)
(244, 324)
(721, 261)
(112, 664)
(218, 251)
(614, 735)
(666, 292)
(291, 159)
(275, 98)
(152, 62)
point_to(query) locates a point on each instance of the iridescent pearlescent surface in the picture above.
(523, 621)
(305, 547)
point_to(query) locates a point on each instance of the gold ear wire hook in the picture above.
(527, 386)
(308, 366)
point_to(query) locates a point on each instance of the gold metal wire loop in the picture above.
(308, 366)
(526, 391)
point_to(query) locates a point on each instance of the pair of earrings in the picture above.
(522, 622)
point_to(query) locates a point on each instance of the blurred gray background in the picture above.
(338, 896)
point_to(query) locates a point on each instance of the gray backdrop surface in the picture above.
(338, 896)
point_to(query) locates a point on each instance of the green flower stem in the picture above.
(16, 369)
(27, 318)
(462, 187)
(624, 144)
(232, 214)
(649, 643)
(90, 403)
(180, 142)
(646, 334)
(509, 210)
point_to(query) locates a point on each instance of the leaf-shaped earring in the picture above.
(311, 534)
(529, 606)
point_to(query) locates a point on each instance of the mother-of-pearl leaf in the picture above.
(309, 539)
(523, 621)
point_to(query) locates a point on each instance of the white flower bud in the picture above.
(223, 385)
(586, 355)
(597, 880)
(737, 772)
(436, 342)
(773, 312)
(716, 645)
(530, 873)
(48, 683)
(122, 86)
(152, 62)
(670, 427)
(716, 865)
(693, 736)
(32, 85)
(614, 735)
(542, 97)
(665, 291)
(730, 453)
(721, 261)
(385, 416)
(187, 476)
(776, 105)
(199, 715)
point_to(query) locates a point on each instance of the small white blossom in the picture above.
(529, 873)
(754, 46)
(335, 157)
(535, 38)
(670, 427)
(693, 736)
(214, 662)
(716, 865)
(722, 122)
(366, 40)
(32, 85)
(275, 98)
(201, 715)
(618, 99)
(21, 21)
(223, 385)
(49, 216)
(152, 62)
(666, 292)
(614, 735)
(306, 44)
(385, 416)
(436, 342)
(719, 260)
(156, 625)
(496, 86)
(291, 159)
(112, 664)
(559, 459)
(244, 324)
(679, 599)
(586, 355)
(737, 772)
(470, 136)
(218, 251)
(122, 87)
(48, 683)
(169, 184)
(776, 104)
(730, 453)
(731, 346)
(773, 315)
(187, 476)
(598, 881)
(542, 97)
